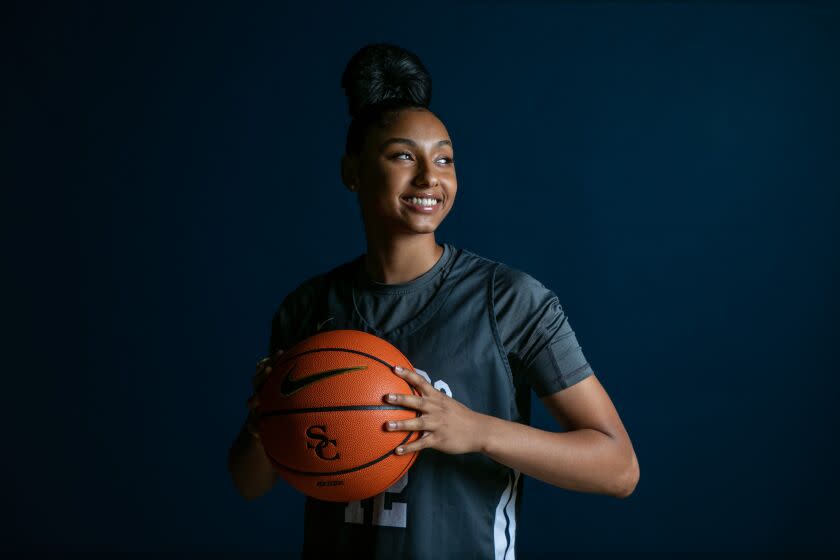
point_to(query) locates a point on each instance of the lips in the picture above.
(420, 208)
(436, 196)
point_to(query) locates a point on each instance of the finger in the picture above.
(414, 446)
(268, 360)
(253, 402)
(410, 425)
(260, 377)
(251, 426)
(264, 369)
(415, 379)
(416, 402)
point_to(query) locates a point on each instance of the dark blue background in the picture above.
(669, 169)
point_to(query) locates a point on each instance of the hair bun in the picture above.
(382, 73)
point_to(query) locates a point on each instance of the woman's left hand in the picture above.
(450, 426)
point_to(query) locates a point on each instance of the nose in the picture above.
(426, 175)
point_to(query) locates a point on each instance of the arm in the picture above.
(596, 456)
(252, 472)
(250, 469)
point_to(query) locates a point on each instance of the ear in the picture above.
(349, 172)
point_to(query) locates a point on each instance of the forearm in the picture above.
(583, 460)
(252, 472)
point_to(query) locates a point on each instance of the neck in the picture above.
(401, 260)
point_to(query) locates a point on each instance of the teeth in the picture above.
(422, 201)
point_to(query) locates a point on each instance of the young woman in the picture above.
(486, 335)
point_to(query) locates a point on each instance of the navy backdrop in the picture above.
(669, 169)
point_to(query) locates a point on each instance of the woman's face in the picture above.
(412, 157)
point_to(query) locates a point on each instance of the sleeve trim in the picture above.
(561, 383)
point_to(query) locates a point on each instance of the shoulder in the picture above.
(293, 318)
(508, 282)
(509, 279)
(302, 294)
(520, 288)
(311, 288)
(472, 261)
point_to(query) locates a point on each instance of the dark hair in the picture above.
(380, 80)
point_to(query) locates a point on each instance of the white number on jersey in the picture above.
(395, 516)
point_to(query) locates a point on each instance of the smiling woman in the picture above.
(399, 158)
(486, 334)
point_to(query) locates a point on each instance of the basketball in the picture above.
(323, 414)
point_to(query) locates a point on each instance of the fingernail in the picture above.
(399, 449)
(392, 425)
(398, 369)
(392, 397)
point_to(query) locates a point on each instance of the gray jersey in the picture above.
(479, 330)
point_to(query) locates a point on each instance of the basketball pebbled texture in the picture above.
(323, 415)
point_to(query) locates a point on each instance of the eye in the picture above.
(447, 160)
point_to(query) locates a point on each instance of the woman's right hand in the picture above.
(263, 371)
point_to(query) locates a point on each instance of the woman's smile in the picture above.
(422, 205)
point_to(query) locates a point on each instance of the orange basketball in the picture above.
(323, 415)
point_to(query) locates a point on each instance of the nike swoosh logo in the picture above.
(321, 324)
(290, 386)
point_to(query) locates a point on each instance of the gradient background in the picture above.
(669, 169)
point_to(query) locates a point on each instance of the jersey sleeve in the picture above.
(281, 325)
(536, 334)
(295, 317)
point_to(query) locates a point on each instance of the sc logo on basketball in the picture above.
(323, 442)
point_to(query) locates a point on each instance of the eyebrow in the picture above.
(410, 142)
